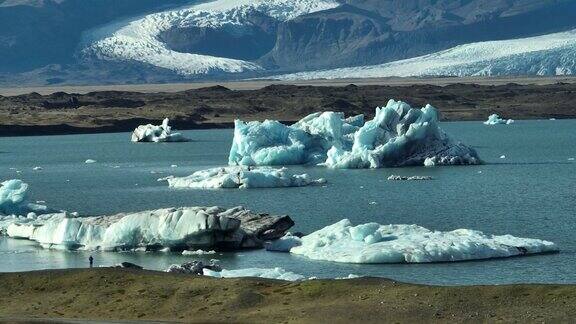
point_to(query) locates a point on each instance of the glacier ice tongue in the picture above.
(375, 243)
(242, 177)
(494, 119)
(153, 133)
(178, 228)
(399, 135)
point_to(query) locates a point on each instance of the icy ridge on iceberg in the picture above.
(494, 119)
(375, 243)
(176, 228)
(399, 135)
(153, 133)
(242, 177)
(138, 39)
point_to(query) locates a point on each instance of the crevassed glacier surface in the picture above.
(375, 243)
(154, 133)
(551, 54)
(399, 135)
(138, 39)
(268, 273)
(494, 119)
(242, 177)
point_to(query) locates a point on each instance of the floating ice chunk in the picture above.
(14, 199)
(242, 177)
(273, 273)
(37, 168)
(284, 244)
(502, 156)
(90, 161)
(198, 252)
(174, 166)
(397, 136)
(152, 133)
(494, 119)
(187, 227)
(375, 243)
(350, 276)
(410, 178)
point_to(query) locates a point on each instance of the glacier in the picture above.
(375, 243)
(399, 135)
(137, 39)
(153, 133)
(181, 228)
(494, 119)
(545, 55)
(242, 177)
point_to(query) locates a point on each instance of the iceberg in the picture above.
(153, 133)
(242, 177)
(375, 243)
(271, 273)
(14, 196)
(185, 228)
(399, 135)
(410, 178)
(494, 119)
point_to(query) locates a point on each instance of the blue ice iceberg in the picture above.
(14, 199)
(397, 136)
(494, 119)
(242, 177)
(155, 134)
(375, 243)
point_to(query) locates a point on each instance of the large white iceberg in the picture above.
(397, 136)
(176, 228)
(375, 243)
(494, 119)
(14, 199)
(153, 133)
(268, 273)
(242, 177)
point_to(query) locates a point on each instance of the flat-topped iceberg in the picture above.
(14, 199)
(399, 135)
(242, 177)
(375, 243)
(154, 133)
(494, 119)
(185, 228)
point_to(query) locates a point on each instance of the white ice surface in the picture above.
(137, 39)
(14, 200)
(272, 273)
(399, 135)
(375, 243)
(551, 54)
(153, 133)
(242, 177)
(494, 119)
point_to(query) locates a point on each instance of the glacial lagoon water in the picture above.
(530, 193)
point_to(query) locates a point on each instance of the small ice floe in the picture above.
(375, 243)
(409, 178)
(174, 166)
(242, 177)
(502, 156)
(37, 168)
(552, 119)
(494, 119)
(90, 161)
(373, 203)
(18, 171)
(198, 252)
(155, 134)
(570, 159)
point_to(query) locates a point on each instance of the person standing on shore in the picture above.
(91, 260)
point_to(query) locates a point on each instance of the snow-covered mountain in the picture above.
(553, 54)
(141, 39)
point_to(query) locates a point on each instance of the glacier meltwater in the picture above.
(399, 135)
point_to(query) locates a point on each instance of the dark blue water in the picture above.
(530, 193)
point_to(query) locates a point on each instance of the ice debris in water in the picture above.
(153, 133)
(397, 136)
(198, 252)
(90, 161)
(242, 177)
(37, 168)
(409, 178)
(375, 243)
(179, 228)
(494, 119)
(272, 273)
(14, 197)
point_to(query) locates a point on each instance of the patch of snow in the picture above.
(551, 54)
(397, 136)
(155, 134)
(375, 243)
(242, 177)
(137, 39)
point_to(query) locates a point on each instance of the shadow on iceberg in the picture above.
(399, 135)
